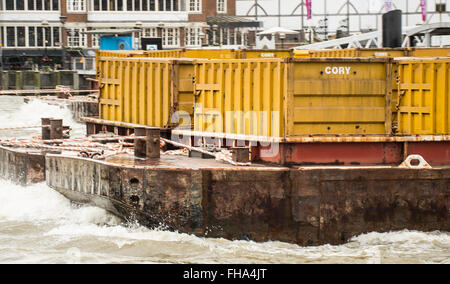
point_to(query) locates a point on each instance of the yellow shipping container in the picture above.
(171, 53)
(262, 98)
(193, 53)
(146, 91)
(211, 53)
(264, 53)
(424, 96)
(119, 53)
(203, 53)
(430, 52)
(355, 52)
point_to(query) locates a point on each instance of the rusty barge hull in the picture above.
(306, 206)
(21, 167)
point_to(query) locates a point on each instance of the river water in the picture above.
(38, 225)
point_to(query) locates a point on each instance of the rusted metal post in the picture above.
(152, 143)
(45, 122)
(90, 128)
(140, 145)
(56, 128)
(241, 154)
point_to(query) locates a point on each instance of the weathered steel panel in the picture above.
(340, 97)
(145, 91)
(424, 96)
(244, 97)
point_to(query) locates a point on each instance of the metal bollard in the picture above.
(45, 122)
(56, 128)
(241, 154)
(152, 143)
(140, 145)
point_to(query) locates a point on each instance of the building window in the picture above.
(195, 6)
(76, 5)
(56, 38)
(22, 36)
(39, 36)
(75, 38)
(221, 6)
(152, 5)
(20, 32)
(31, 5)
(9, 4)
(31, 36)
(170, 37)
(95, 41)
(193, 37)
(138, 5)
(150, 32)
(20, 5)
(10, 36)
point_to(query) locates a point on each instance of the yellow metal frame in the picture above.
(424, 96)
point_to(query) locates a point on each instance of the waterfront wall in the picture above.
(304, 206)
(35, 80)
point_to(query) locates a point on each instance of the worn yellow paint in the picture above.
(423, 105)
(354, 52)
(352, 101)
(239, 96)
(430, 52)
(145, 91)
(279, 97)
(264, 53)
(174, 53)
(284, 98)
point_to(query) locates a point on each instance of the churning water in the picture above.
(38, 225)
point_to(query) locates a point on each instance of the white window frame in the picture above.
(133, 6)
(76, 6)
(192, 37)
(221, 6)
(194, 6)
(174, 40)
(73, 41)
(27, 39)
(150, 32)
(26, 8)
(95, 41)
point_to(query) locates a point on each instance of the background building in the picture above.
(51, 32)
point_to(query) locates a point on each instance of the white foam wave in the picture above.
(40, 203)
(17, 113)
(100, 237)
